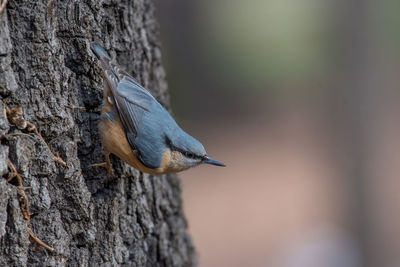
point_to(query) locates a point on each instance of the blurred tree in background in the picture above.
(332, 63)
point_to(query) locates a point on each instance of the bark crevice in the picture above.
(89, 217)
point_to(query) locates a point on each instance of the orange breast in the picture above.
(114, 141)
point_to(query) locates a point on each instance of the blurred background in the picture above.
(301, 100)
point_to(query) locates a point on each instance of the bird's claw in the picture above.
(104, 165)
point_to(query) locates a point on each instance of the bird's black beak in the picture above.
(211, 161)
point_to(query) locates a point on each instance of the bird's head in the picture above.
(186, 152)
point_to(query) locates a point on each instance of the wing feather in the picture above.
(132, 99)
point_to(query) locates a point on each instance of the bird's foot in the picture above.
(104, 165)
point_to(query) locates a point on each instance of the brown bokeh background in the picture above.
(301, 100)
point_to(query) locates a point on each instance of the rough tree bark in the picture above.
(87, 216)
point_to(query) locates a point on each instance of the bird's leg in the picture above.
(76, 107)
(2, 5)
(106, 164)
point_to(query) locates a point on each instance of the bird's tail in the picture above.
(99, 51)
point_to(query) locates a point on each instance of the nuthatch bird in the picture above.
(137, 129)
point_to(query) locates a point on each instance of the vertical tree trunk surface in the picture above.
(89, 217)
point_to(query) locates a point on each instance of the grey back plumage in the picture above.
(149, 128)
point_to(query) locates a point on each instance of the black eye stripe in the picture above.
(186, 153)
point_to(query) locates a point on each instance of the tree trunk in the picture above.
(89, 217)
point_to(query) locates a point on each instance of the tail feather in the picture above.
(99, 51)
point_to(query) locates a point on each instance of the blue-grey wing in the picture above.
(131, 99)
(132, 103)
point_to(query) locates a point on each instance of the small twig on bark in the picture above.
(40, 242)
(7, 136)
(76, 107)
(3, 5)
(15, 117)
(24, 204)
